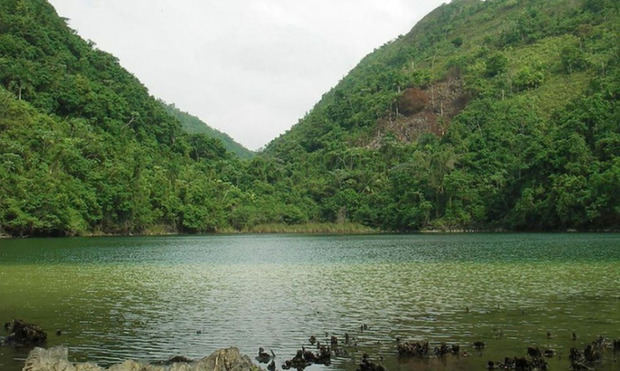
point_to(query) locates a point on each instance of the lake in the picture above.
(146, 298)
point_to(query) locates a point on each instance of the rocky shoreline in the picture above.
(231, 359)
(22, 334)
(57, 359)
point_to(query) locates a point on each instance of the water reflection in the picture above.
(150, 298)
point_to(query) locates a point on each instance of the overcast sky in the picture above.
(250, 68)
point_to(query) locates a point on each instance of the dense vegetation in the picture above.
(193, 125)
(85, 149)
(495, 114)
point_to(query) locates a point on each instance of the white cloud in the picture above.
(250, 68)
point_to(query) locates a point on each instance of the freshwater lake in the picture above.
(146, 298)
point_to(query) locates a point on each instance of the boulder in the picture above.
(411, 349)
(24, 334)
(226, 360)
(57, 359)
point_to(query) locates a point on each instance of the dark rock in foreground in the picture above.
(411, 349)
(57, 359)
(24, 334)
(173, 360)
(422, 349)
(368, 365)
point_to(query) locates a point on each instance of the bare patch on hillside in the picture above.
(422, 111)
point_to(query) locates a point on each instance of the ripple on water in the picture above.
(147, 298)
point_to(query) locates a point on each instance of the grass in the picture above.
(307, 228)
(312, 228)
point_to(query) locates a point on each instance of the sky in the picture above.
(249, 68)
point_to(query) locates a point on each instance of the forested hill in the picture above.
(494, 114)
(85, 149)
(194, 125)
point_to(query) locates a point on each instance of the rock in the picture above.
(408, 349)
(298, 362)
(522, 364)
(179, 359)
(172, 360)
(263, 357)
(600, 343)
(24, 334)
(591, 354)
(56, 359)
(308, 356)
(509, 363)
(575, 355)
(324, 356)
(368, 365)
(534, 352)
(519, 364)
(135, 366)
(226, 360)
(577, 360)
(442, 350)
(455, 348)
(580, 367)
(538, 364)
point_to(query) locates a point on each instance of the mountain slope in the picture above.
(500, 114)
(85, 149)
(494, 114)
(193, 125)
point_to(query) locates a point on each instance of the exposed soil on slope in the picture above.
(421, 111)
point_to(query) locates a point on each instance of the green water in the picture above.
(146, 298)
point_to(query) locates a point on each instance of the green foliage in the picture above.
(193, 125)
(528, 78)
(532, 142)
(85, 149)
(496, 64)
(515, 157)
(573, 59)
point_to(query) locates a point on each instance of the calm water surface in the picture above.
(146, 298)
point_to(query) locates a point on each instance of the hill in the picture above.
(193, 125)
(499, 114)
(84, 148)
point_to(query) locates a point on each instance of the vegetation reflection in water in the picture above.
(147, 298)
